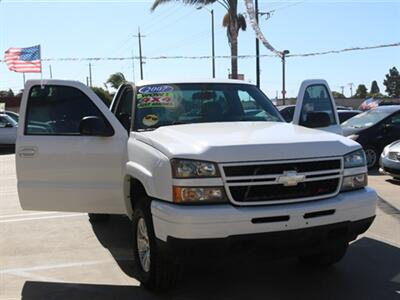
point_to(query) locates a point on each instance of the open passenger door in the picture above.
(316, 108)
(70, 150)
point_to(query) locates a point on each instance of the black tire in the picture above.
(328, 256)
(163, 270)
(372, 157)
(99, 218)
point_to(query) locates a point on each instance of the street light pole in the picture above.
(284, 53)
(212, 43)
(212, 38)
(257, 50)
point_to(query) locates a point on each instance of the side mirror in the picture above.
(317, 119)
(95, 126)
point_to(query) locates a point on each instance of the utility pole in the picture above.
(90, 75)
(284, 53)
(51, 72)
(133, 67)
(139, 36)
(342, 88)
(87, 81)
(351, 89)
(257, 50)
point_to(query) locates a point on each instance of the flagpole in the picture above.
(41, 67)
(23, 78)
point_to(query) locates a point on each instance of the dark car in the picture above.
(374, 129)
(287, 112)
(344, 115)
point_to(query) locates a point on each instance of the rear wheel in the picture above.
(99, 218)
(328, 256)
(372, 156)
(156, 270)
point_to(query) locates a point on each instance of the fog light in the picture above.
(198, 194)
(354, 182)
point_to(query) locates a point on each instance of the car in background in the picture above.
(8, 131)
(340, 107)
(12, 115)
(374, 129)
(344, 115)
(390, 160)
(287, 112)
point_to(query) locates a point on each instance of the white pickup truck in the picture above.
(200, 167)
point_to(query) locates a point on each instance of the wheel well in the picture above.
(137, 191)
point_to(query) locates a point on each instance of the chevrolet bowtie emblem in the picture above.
(291, 178)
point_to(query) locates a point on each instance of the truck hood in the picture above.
(245, 141)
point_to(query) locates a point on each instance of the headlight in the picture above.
(353, 137)
(354, 182)
(185, 168)
(355, 159)
(199, 194)
(385, 150)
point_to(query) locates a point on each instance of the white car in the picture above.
(390, 160)
(8, 131)
(200, 167)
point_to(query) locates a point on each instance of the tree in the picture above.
(392, 83)
(8, 93)
(361, 91)
(338, 95)
(374, 88)
(233, 22)
(116, 79)
(103, 94)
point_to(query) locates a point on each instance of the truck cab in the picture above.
(196, 164)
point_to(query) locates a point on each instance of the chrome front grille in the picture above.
(276, 182)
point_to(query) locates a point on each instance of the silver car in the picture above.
(390, 160)
(8, 131)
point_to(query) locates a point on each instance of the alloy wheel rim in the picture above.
(371, 157)
(143, 245)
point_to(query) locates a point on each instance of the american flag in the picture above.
(368, 104)
(24, 60)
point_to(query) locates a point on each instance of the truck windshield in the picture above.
(172, 104)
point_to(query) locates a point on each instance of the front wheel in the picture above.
(328, 256)
(372, 157)
(156, 270)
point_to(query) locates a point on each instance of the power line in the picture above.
(217, 56)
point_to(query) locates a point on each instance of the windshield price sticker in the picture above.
(156, 89)
(155, 100)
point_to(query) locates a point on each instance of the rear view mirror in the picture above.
(317, 119)
(95, 126)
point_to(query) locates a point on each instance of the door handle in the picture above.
(27, 151)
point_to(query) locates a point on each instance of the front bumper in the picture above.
(389, 167)
(223, 221)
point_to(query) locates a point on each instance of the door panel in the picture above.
(315, 105)
(57, 167)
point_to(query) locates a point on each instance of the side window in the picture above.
(3, 122)
(124, 108)
(288, 113)
(57, 110)
(316, 99)
(395, 119)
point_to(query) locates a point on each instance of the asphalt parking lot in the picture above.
(48, 255)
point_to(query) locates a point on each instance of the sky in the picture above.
(82, 29)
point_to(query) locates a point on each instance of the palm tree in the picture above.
(232, 21)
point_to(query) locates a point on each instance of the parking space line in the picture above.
(42, 218)
(34, 276)
(48, 267)
(28, 214)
